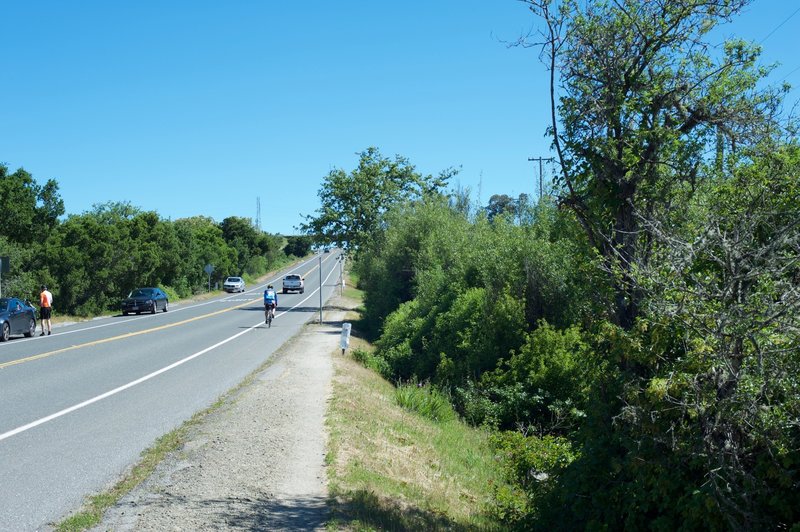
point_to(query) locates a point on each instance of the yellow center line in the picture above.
(121, 336)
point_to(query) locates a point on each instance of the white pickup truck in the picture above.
(293, 283)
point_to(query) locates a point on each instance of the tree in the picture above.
(242, 236)
(298, 246)
(637, 101)
(202, 243)
(32, 210)
(95, 258)
(732, 288)
(353, 204)
(500, 204)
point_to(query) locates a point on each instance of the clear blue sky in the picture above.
(199, 107)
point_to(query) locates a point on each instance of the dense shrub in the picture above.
(532, 465)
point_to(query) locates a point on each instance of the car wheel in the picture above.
(302, 291)
(6, 333)
(166, 306)
(124, 313)
(31, 328)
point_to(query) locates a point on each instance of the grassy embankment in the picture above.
(392, 468)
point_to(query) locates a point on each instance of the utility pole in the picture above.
(320, 286)
(341, 272)
(541, 159)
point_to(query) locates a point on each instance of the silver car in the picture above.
(233, 284)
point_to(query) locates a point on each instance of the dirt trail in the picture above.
(256, 463)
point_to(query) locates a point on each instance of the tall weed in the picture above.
(370, 361)
(426, 401)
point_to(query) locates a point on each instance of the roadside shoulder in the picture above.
(257, 461)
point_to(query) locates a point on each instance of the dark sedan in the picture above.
(145, 300)
(16, 317)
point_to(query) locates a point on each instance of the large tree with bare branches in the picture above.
(642, 108)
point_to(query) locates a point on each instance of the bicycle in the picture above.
(269, 314)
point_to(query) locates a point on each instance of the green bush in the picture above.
(531, 464)
(369, 360)
(546, 383)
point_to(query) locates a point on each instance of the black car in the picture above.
(16, 317)
(145, 300)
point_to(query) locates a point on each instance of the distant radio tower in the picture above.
(258, 212)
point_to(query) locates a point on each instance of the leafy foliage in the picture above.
(90, 261)
(547, 383)
(30, 210)
(644, 339)
(298, 246)
(249, 243)
(353, 205)
(641, 100)
(531, 463)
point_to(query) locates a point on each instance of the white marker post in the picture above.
(344, 342)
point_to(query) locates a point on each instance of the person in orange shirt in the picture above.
(45, 304)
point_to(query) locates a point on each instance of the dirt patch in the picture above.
(257, 462)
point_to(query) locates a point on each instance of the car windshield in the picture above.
(292, 277)
(141, 293)
(233, 279)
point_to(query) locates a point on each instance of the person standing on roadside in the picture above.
(45, 305)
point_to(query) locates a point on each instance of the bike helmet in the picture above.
(269, 286)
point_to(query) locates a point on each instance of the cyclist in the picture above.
(270, 303)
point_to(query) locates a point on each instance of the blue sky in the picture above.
(201, 107)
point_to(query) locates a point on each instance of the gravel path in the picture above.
(256, 463)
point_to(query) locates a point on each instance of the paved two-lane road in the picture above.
(78, 407)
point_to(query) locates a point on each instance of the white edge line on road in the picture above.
(115, 391)
(140, 380)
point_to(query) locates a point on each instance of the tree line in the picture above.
(631, 340)
(92, 260)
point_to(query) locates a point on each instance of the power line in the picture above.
(790, 73)
(796, 11)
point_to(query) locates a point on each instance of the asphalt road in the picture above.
(78, 407)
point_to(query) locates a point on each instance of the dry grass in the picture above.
(391, 469)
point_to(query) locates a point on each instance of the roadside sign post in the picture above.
(209, 269)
